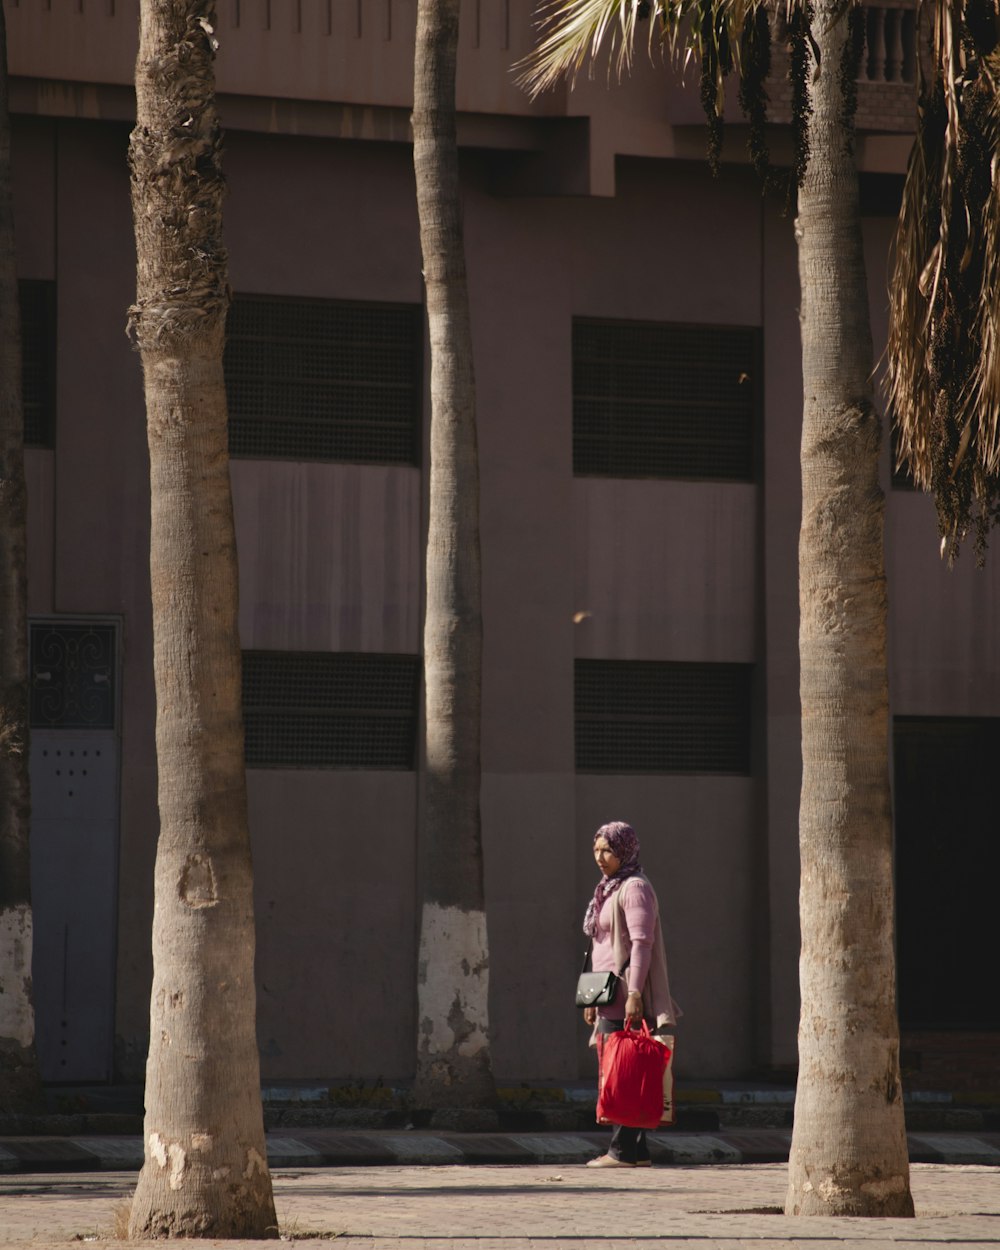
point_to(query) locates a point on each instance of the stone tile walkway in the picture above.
(558, 1207)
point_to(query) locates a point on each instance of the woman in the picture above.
(623, 923)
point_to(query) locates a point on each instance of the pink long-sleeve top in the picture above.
(639, 908)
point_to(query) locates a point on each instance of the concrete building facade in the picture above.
(639, 396)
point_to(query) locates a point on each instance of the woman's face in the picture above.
(607, 860)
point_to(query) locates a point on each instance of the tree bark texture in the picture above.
(453, 1054)
(205, 1168)
(18, 1065)
(849, 1153)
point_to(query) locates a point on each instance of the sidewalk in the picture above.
(332, 1147)
(553, 1206)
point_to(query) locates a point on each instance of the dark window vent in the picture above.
(305, 709)
(639, 716)
(324, 380)
(670, 401)
(38, 361)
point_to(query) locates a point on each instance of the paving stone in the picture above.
(550, 1206)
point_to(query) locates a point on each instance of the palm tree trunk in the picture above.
(18, 1066)
(849, 1153)
(453, 1054)
(205, 1172)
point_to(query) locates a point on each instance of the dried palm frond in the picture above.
(943, 355)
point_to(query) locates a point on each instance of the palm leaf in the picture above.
(574, 30)
(943, 354)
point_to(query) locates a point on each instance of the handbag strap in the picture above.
(586, 960)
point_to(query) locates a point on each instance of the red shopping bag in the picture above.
(631, 1078)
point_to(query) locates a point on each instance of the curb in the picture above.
(319, 1148)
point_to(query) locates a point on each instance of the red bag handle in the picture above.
(645, 1030)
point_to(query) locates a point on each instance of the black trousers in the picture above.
(628, 1144)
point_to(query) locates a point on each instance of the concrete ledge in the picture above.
(333, 1148)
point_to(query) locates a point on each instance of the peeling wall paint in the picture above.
(17, 1016)
(453, 980)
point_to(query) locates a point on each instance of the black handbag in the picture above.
(597, 989)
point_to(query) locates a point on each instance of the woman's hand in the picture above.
(590, 1015)
(633, 1006)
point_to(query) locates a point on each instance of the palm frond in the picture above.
(720, 36)
(984, 389)
(574, 30)
(943, 355)
(914, 268)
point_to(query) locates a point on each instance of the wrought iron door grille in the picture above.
(641, 716)
(38, 361)
(661, 400)
(324, 380)
(306, 709)
(72, 675)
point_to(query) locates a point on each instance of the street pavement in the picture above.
(555, 1207)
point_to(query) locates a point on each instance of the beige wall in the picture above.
(944, 622)
(334, 868)
(330, 557)
(88, 500)
(348, 67)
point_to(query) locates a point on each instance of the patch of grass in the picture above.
(292, 1231)
(522, 1096)
(743, 1211)
(360, 1094)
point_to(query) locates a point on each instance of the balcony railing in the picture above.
(356, 52)
(887, 75)
(890, 45)
(359, 54)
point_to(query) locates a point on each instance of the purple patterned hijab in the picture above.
(624, 846)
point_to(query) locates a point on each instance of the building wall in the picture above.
(574, 568)
(330, 558)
